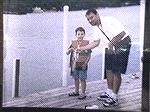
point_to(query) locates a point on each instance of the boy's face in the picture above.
(80, 35)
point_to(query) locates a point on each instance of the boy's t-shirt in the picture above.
(84, 53)
(80, 63)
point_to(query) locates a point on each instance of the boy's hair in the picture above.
(79, 29)
(91, 11)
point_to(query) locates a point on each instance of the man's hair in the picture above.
(79, 29)
(91, 11)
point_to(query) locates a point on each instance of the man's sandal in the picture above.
(73, 94)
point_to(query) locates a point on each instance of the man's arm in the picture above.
(116, 39)
(88, 58)
(86, 62)
(92, 45)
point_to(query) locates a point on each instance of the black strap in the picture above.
(106, 37)
(104, 34)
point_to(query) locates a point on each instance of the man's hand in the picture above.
(84, 66)
(110, 46)
(78, 50)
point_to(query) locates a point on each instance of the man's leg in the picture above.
(116, 83)
(113, 81)
(109, 90)
(110, 78)
(109, 74)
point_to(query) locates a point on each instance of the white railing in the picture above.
(65, 38)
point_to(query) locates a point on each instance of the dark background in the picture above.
(25, 6)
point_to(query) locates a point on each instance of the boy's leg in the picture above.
(76, 85)
(83, 87)
(83, 77)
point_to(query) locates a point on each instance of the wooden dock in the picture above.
(129, 96)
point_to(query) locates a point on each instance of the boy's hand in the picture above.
(81, 49)
(71, 49)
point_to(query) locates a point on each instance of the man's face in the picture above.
(93, 19)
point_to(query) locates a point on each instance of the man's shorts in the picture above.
(118, 62)
(79, 74)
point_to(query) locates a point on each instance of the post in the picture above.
(103, 63)
(146, 60)
(65, 66)
(16, 73)
(145, 80)
(142, 17)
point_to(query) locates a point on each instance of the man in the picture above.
(111, 32)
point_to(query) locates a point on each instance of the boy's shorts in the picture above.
(79, 74)
(118, 62)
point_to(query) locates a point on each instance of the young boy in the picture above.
(79, 63)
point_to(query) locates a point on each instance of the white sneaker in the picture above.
(110, 102)
(103, 96)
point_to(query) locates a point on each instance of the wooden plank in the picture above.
(129, 94)
(93, 99)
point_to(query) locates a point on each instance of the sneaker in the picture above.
(110, 102)
(103, 96)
